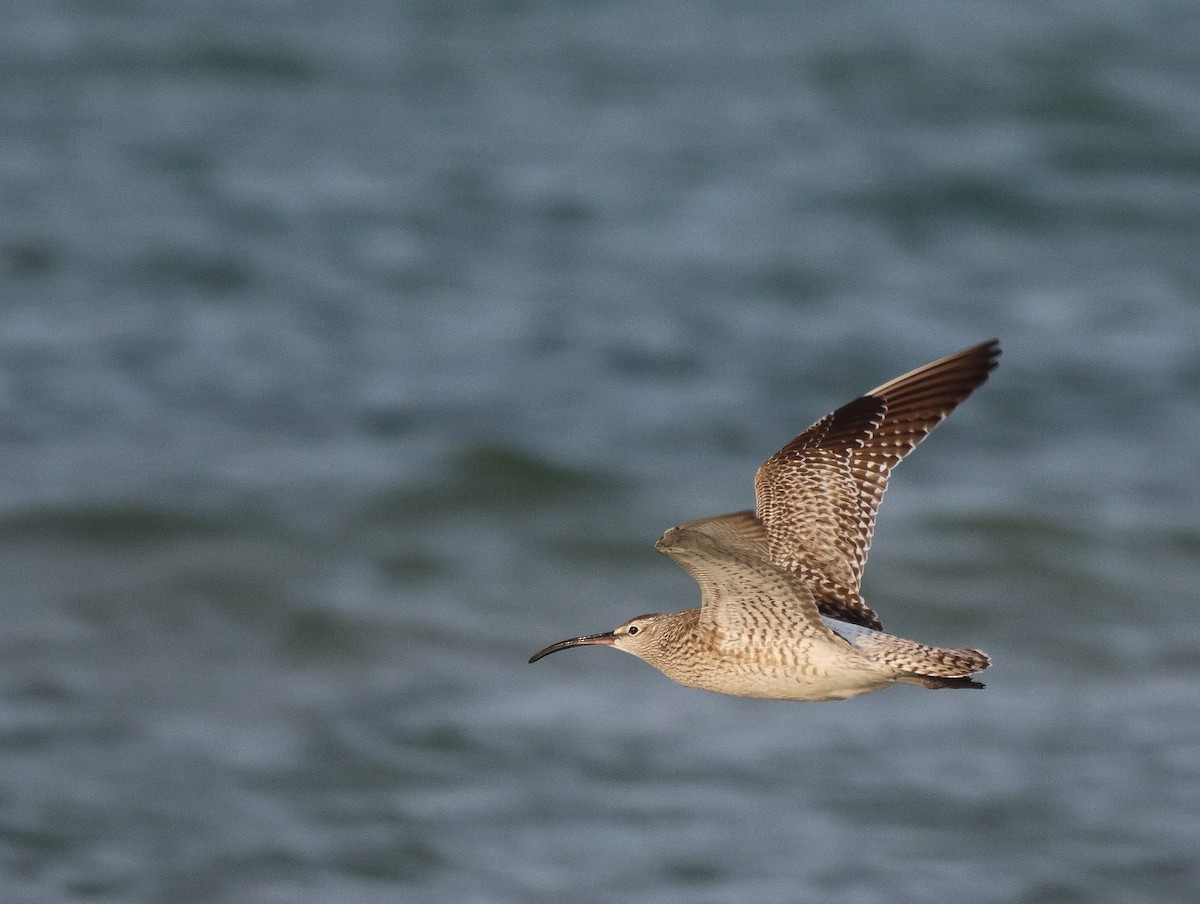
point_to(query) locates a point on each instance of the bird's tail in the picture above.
(923, 665)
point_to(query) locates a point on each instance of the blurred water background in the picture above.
(351, 352)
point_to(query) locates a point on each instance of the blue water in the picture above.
(350, 353)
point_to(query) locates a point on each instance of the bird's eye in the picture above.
(633, 629)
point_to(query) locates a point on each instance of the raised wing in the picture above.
(817, 497)
(741, 590)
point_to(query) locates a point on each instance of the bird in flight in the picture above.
(781, 615)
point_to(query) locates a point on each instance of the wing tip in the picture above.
(987, 353)
(994, 351)
(732, 530)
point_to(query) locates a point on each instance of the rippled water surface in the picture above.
(350, 353)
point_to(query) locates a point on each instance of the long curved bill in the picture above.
(606, 639)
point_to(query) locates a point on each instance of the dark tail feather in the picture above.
(932, 681)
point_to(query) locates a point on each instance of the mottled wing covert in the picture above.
(742, 590)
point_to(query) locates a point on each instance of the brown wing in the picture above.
(742, 590)
(818, 495)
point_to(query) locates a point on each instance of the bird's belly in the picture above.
(785, 676)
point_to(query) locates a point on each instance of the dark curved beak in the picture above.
(606, 639)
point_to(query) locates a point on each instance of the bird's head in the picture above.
(647, 637)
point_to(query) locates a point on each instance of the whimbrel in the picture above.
(781, 615)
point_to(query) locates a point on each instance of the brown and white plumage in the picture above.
(819, 494)
(728, 557)
(781, 613)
